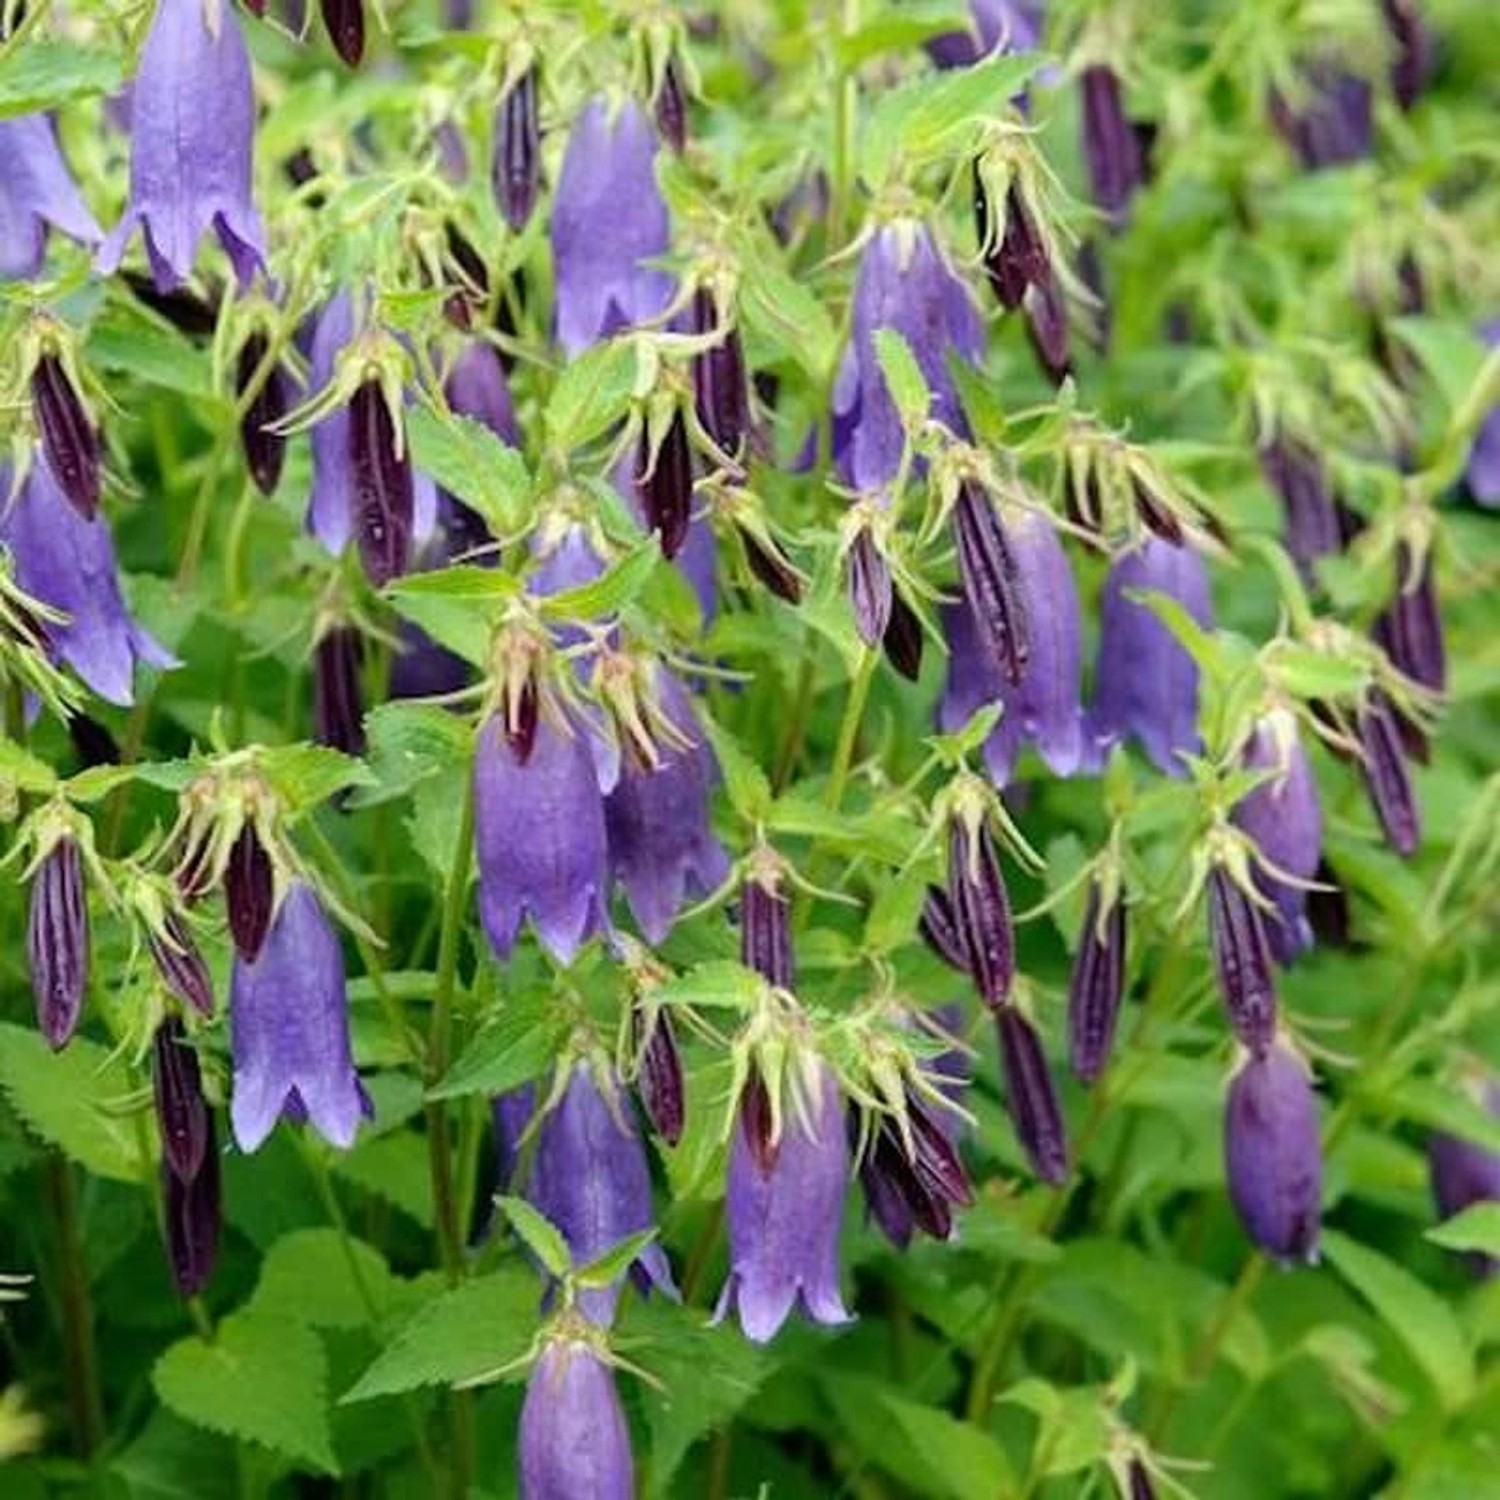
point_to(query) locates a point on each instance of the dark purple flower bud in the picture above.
(384, 497)
(1146, 684)
(1413, 64)
(1155, 514)
(902, 641)
(192, 137)
(573, 1438)
(516, 172)
(871, 591)
(249, 892)
(36, 193)
(1296, 473)
(345, 20)
(671, 109)
(981, 910)
(1110, 146)
(1410, 631)
(57, 941)
(182, 1114)
(1011, 25)
(720, 388)
(661, 847)
(1242, 962)
(182, 307)
(664, 485)
(1387, 776)
(1047, 328)
(659, 1084)
(289, 1019)
(1336, 124)
(917, 1188)
(94, 744)
(766, 931)
(181, 965)
(1273, 1154)
(1464, 1173)
(540, 838)
(1139, 1478)
(1097, 985)
(1018, 258)
(192, 1215)
(784, 1216)
(1030, 1097)
(991, 581)
(769, 564)
(68, 437)
(338, 702)
(264, 449)
(939, 925)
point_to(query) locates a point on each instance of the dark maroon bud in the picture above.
(666, 491)
(1242, 962)
(903, 638)
(516, 171)
(1047, 328)
(57, 941)
(770, 566)
(1296, 473)
(1411, 628)
(671, 109)
(991, 581)
(1328, 909)
(184, 309)
(1096, 988)
(1413, 62)
(916, 1189)
(181, 965)
(68, 439)
(1030, 1097)
(1156, 516)
(94, 744)
(520, 723)
(981, 911)
(192, 1216)
(1111, 148)
(1141, 1487)
(384, 496)
(345, 20)
(659, 1084)
(870, 589)
(939, 925)
(249, 892)
(338, 703)
(766, 932)
(1387, 777)
(1019, 258)
(181, 1109)
(265, 449)
(720, 388)
(755, 1116)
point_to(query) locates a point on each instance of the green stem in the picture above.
(796, 731)
(854, 710)
(85, 1403)
(845, 120)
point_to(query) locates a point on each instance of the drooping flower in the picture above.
(249, 892)
(1413, 64)
(1273, 1154)
(345, 20)
(659, 1083)
(516, 171)
(1111, 146)
(1242, 961)
(784, 1212)
(192, 137)
(67, 562)
(1410, 631)
(1465, 1173)
(721, 387)
(1010, 25)
(609, 222)
(37, 192)
(1332, 122)
(664, 484)
(476, 388)
(1031, 1096)
(57, 941)
(289, 1029)
(1097, 983)
(573, 1439)
(1146, 684)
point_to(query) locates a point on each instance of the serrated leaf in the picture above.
(615, 1261)
(903, 377)
(408, 742)
(310, 1276)
(965, 1459)
(306, 776)
(263, 1379)
(1311, 675)
(517, 1046)
(748, 786)
(781, 309)
(538, 1233)
(127, 343)
(1477, 1228)
(1450, 353)
(720, 985)
(591, 394)
(25, 771)
(902, 30)
(611, 591)
(98, 782)
(45, 73)
(474, 464)
(393, 1167)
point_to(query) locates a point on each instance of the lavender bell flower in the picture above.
(57, 941)
(289, 1017)
(476, 388)
(516, 172)
(1031, 1097)
(660, 844)
(1097, 984)
(784, 1212)
(608, 222)
(69, 563)
(1464, 1173)
(36, 193)
(1283, 818)
(1273, 1154)
(573, 1438)
(1146, 684)
(1242, 962)
(1111, 146)
(192, 137)
(1010, 25)
(541, 840)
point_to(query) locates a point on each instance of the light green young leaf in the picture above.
(903, 377)
(720, 985)
(615, 1261)
(1477, 1228)
(315, 1277)
(46, 73)
(591, 394)
(611, 591)
(538, 1233)
(519, 1044)
(474, 464)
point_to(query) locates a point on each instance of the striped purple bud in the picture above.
(1242, 962)
(981, 910)
(914, 1185)
(181, 965)
(1387, 776)
(1410, 631)
(659, 1084)
(249, 892)
(766, 930)
(939, 925)
(1337, 123)
(720, 388)
(1047, 328)
(516, 172)
(1138, 1477)
(345, 20)
(338, 702)
(671, 109)
(769, 564)
(1097, 985)
(384, 496)
(664, 485)
(1110, 146)
(991, 581)
(870, 589)
(902, 641)
(1413, 64)
(1031, 1098)
(192, 1214)
(1018, 258)
(68, 437)
(181, 1110)
(1311, 514)
(264, 449)
(1273, 1155)
(57, 941)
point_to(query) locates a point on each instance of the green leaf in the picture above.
(609, 593)
(1313, 675)
(903, 377)
(538, 1233)
(24, 771)
(720, 985)
(1423, 1322)
(518, 1045)
(393, 1167)
(1476, 1228)
(1450, 353)
(474, 464)
(591, 395)
(460, 1335)
(406, 744)
(615, 1261)
(748, 786)
(902, 30)
(968, 1462)
(126, 342)
(781, 309)
(310, 1276)
(306, 776)
(75, 1100)
(45, 73)
(263, 1379)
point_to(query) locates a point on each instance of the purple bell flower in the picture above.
(37, 192)
(1483, 473)
(192, 138)
(1011, 25)
(1273, 1155)
(608, 222)
(573, 1439)
(905, 284)
(785, 1209)
(1464, 1173)
(590, 1178)
(477, 388)
(660, 844)
(1283, 818)
(541, 840)
(69, 563)
(289, 1017)
(1146, 684)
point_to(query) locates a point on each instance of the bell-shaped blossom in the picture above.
(69, 563)
(1482, 475)
(192, 140)
(37, 193)
(1042, 707)
(660, 844)
(1146, 683)
(289, 1030)
(1465, 1173)
(609, 223)
(540, 837)
(1011, 25)
(905, 284)
(573, 1439)
(785, 1208)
